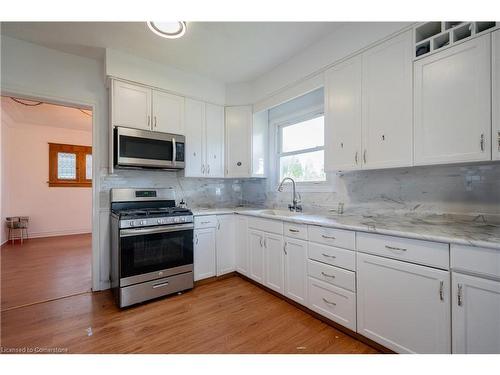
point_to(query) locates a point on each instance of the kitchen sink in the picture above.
(279, 213)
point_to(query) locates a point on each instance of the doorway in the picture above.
(46, 200)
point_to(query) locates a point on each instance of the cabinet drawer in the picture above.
(332, 275)
(476, 259)
(332, 255)
(205, 222)
(266, 225)
(332, 302)
(295, 230)
(433, 254)
(333, 237)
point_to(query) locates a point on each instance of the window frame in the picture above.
(276, 128)
(81, 155)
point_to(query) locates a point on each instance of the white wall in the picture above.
(53, 211)
(126, 66)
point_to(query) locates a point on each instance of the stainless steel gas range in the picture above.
(151, 245)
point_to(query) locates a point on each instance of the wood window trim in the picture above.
(81, 152)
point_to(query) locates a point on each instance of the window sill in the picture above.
(70, 184)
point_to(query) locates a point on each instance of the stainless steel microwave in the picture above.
(134, 148)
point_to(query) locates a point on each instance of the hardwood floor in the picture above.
(45, 268)
(225, 316)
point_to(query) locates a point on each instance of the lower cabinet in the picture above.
(273, 262)
(225, 241)
(204, 253)
(241, 244)
(255, 243)
(295, 267)
(476, 315)
(403, 306)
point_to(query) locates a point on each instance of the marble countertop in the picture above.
(481, 231)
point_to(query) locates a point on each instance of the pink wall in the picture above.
(52, 211)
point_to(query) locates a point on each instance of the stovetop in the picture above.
(126, 214)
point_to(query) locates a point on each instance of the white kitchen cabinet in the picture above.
(343, 116)
(260, 127)
(256, 255)
(496, 94)
(387, 103)
(273, 262)
(130, 105)
(403, 306)
(214, 138)
(296, 270)
(238, 141)
(195, 135)
(225, 241)
(204, 253)
(476, 315)
(453, 104)
(241, 243)
(168, 113)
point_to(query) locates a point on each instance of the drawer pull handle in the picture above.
(161, 285)
(328, 237)
(459, 295)
(294, 230)
(395, 248)
(327, 275)
(441, 290)
(329, 302)
(329, 256)
(284, 248)
(205, 222)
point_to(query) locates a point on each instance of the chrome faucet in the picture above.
(295, 206)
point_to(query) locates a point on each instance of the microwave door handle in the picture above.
(174, 152)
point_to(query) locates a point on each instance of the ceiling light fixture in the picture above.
(170, 30)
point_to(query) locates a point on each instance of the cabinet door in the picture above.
(260, 129)
(195, 134)
(238, 135)
(225, 244)
(256, 255)
(343, 116)
(388, 103)
(476, 315)
(273, 262)
(241, 243)
(453, 104)
(403, 306)
(214, 140)
(131, 105)
(496, 94)
(296, 270)
(168, 113)
(204, 253)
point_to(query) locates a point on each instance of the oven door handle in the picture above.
(153, 230)
(174, 151)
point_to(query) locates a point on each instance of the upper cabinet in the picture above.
(368, 106)
(387, 113)
(496, 94)
(130, 105)
(453, 104)
(168, 113)
(141, 107)
(204, 124)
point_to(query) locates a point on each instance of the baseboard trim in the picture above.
(52, 234)
(215, 278)
(335, 325)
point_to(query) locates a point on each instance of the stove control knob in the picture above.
(160, 221)
(131, 223)
(177, 220)
(142, 222)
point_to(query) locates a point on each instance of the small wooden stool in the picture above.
(19, 223)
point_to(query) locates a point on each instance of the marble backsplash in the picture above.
(439, 189)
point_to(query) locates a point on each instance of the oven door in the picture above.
(142, 148)
(155, 252)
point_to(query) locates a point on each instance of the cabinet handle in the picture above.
(329, 302)
(284, 248)
(459, 295)
(356, 157)
(149, 121)
(196, 237)
(329, 256)
(203, 169)
(327, 275)
(205, 222)
(155, 121)
(482, 142)
(441, 290)
(328, 237)
(218, 224)
(260, 240)
(265, 243)
(208, 168)
(498, 140)
(395, 248)
(364, 156)
(294, 230)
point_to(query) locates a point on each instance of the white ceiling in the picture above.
(47, 115)
(226, 51)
